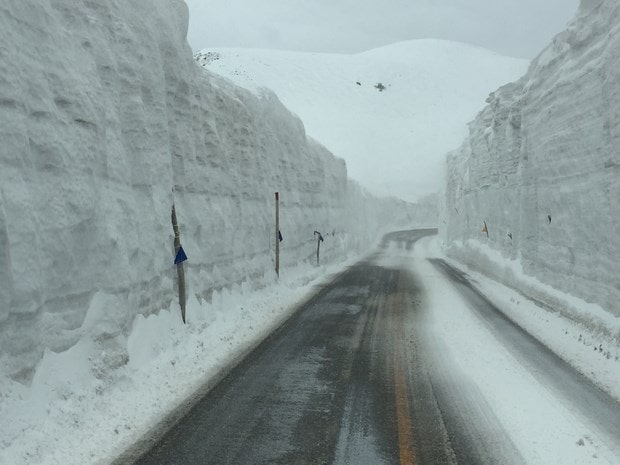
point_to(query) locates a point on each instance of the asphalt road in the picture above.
(348, 380)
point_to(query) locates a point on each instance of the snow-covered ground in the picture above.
(541, 167)
(393, 141)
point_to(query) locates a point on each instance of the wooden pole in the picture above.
(277, 234)
(180, 269)
(319, 239)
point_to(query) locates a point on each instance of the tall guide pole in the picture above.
(277, 235)
(180, 270)
(319, 239)
(318, 249)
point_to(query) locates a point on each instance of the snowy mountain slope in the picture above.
(393, 141)
(104, 114)
(541, 167)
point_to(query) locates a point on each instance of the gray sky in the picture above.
(519, 28)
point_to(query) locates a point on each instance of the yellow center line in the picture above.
(403, 416)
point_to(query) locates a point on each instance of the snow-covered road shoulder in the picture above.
(581, 333)
(545, 427)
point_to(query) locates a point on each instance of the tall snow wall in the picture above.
(105, 122)
(542, 164)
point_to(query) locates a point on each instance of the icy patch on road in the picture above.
(356, 445)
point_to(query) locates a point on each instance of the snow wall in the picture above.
(105, 122)
(542, 164)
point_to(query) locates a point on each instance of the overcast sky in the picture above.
(519, 28)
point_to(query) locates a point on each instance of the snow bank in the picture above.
(105, 122)
(541, 167)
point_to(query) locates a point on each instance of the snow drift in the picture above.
(541, 166)
(106, 121)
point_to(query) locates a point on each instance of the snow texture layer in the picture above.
(106, 121)
(541, 166)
